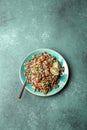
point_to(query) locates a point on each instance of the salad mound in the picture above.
(43, 72)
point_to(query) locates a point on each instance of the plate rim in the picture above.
(36, 51)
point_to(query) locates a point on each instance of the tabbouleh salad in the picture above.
(43, 72)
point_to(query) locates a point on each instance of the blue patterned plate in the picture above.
(63, 77)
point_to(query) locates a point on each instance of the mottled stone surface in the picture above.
(26, 25)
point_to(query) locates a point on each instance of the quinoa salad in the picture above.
(43, 72)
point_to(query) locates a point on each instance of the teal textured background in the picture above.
(26, 25)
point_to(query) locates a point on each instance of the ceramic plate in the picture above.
(63, 77)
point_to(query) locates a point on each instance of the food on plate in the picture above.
(43, 72)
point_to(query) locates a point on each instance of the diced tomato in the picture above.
(43, 78)
(45, 53)
(46, 74)
(45, 91)
(35, 59)
(48, 60)
(42, 74)
(39, 84)
(51, 65)
(42, 59)
(37, 80)
(26, 64)
(46, 80)
(25, 73)
(34, 72)
(30, 64)
(40, 54)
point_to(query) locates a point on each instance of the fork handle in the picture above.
(20, 95)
